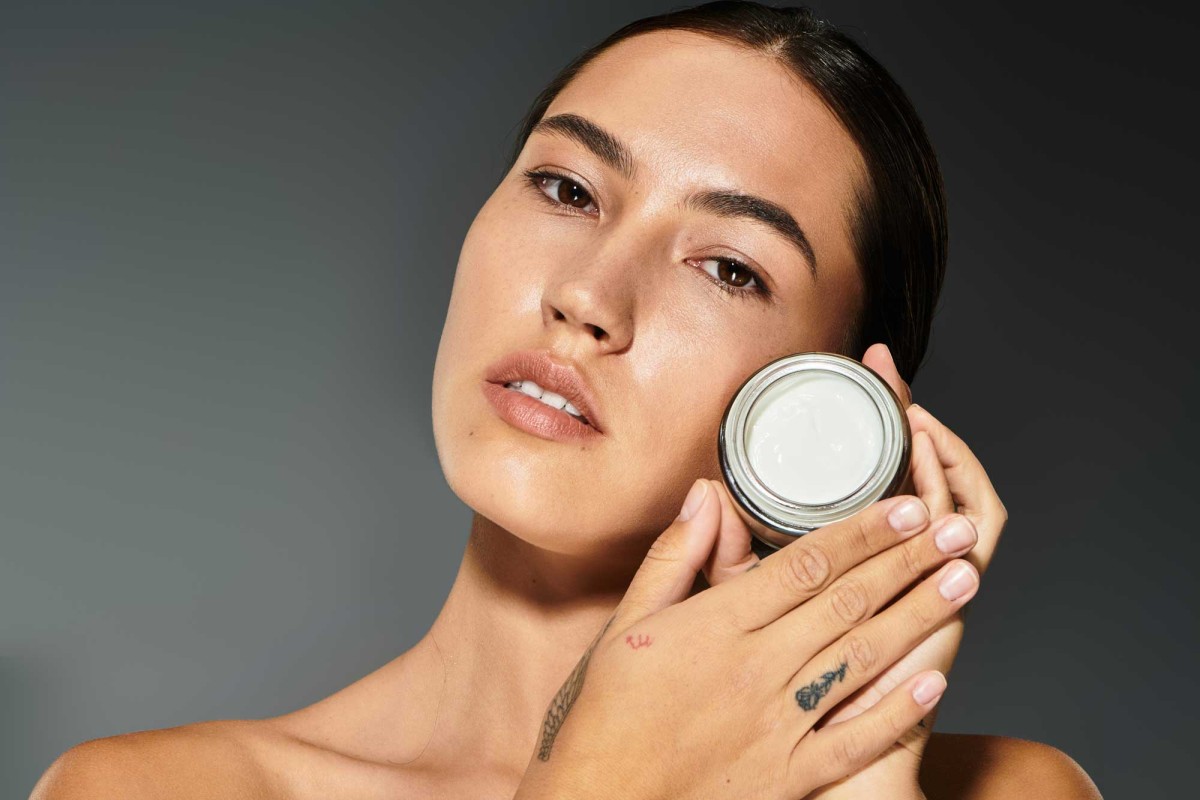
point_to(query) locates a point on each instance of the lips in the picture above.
(560, 378)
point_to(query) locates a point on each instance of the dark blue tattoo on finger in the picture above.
(809, 696)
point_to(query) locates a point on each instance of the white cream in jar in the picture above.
(809, 439)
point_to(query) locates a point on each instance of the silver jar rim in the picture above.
(786, 519)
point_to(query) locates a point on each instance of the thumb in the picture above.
(675, 558)
(733, 553)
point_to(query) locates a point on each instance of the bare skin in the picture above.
(625, 285)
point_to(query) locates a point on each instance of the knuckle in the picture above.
(664, 548)
(862, 529)
(850, 750)
(920, 617)
(912, 553)
(806, 569)
(895, 720)
(860, 654)
(849, 602)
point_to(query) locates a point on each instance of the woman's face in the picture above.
(616, 275)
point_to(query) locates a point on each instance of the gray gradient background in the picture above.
(227, 238)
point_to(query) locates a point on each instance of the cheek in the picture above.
(502, 269)
(492, 286)
(692, 361)
(696, 353)
(460, 360)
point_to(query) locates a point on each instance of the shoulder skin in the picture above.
(200, 760)
(977, 767)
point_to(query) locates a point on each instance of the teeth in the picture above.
(551, 399)
(530, 388)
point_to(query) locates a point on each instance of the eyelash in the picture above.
(534, 178)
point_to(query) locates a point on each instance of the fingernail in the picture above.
(694, 500)
(908, 516)
(958, 581)
(929, 688)
(957, 533)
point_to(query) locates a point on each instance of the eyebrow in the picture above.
(616, 154)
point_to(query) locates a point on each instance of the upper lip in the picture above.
(564, 379)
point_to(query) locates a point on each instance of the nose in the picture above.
(594, 300)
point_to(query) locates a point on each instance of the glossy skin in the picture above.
(624, 286)
(676, 347)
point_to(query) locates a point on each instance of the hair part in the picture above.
(898, 219)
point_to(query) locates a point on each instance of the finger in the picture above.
(929, 478)
(668, 572)
(879, 358)
(970, 486)
(937, 651)
(856, 597)
(803, 568)
(849, 663)
(840, 750)
(732, 555)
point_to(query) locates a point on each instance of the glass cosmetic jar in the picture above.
(810, 439)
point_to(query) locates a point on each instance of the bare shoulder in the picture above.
(252, 759)
(359, 743)
(978, 767)
(226, 758)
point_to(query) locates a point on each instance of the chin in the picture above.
(509, 478)
(513, 493)
(514, 488)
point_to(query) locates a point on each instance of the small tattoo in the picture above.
(922, 724)
(562, 702)
(642, 641)
(810, 695)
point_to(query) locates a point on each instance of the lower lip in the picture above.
(533, 416)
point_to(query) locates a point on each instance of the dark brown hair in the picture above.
(898, 227)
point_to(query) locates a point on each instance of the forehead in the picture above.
(699, 112)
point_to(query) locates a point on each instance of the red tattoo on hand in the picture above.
(642, 641)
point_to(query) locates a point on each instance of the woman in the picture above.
(598, 264)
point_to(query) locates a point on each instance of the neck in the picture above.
(517, 620)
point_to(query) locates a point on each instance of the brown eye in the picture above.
(733, 276)
(733, 273)
(572, 194)
(559, 190)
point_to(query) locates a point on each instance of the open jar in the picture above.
(809, 439)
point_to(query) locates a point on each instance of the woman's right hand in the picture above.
(718, 694)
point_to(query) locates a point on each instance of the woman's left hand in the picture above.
(949, 478)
